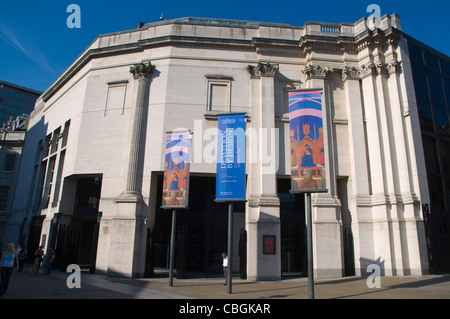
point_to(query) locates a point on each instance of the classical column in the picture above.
(327, 225)
(400, 74)
(403, 165)
(375, 226)
(127, 225)
(360, 178)
(142, 73)
(263, 217)
(367, 73)
(316, 77)
(408, 219)
(360, 200)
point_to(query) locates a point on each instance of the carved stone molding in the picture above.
(380, 68)
(350, 73)
(316, 72)
(264, 201)
(142, 70)
(367, 70)
(394, 66)
(262, 69)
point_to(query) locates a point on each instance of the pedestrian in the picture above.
(7, 264)
(225, 266)
(48, 259)
(37, 260)
(22, 254)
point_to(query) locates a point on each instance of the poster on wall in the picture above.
(230, 169)
(308, 167)
(176, 170)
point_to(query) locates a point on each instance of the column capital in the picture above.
(394, 66)
(350, 73)
(316, 72)
(368, 70)
(142, 70)
(262, 69)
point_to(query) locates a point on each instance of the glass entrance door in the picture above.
(201, 232)
(293, 230)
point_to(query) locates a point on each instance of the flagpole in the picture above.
(310, 247)
(230, 247)
(172, 247)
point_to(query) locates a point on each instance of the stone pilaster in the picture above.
(327, 227)
(359, 201)
(263, 216)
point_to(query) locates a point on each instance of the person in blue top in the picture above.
(7, 266)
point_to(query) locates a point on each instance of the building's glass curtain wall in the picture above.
(431, 73)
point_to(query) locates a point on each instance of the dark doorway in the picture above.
(75, 240)
(349, 256)
(293, 230)
(201, 232)
(34, 239)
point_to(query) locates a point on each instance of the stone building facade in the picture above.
(96, 140)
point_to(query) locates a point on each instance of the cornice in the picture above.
(307, 42)
(366, 39)
(138, 46)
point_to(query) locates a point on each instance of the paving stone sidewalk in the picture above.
(24, 285)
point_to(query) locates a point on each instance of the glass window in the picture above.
(9, 162)
(430, 153)
(20, 97)
(432, 61)
(4, 190)
(445, 154)
(425, 114)
(445, 67)
(448, 189)
(436, 193)
(420, 82)
(437, 90)
(447, 91)
(415, 54)
(441, 119)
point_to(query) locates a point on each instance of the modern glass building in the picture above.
(431, 73)
(15, 100)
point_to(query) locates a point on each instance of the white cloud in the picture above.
(32, 53)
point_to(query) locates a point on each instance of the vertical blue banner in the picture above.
(230, 171)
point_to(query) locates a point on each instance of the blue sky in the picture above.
(36, 45)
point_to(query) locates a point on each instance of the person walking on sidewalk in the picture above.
(21, 255)
(37, 260)
(7, 266)
(48, 259)
(225, 266)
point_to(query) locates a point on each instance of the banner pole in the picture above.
(230, 247)
(310, 247)
(172, 247)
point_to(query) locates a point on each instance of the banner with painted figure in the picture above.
(307, 141)
(176, 170)
(230, 170)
